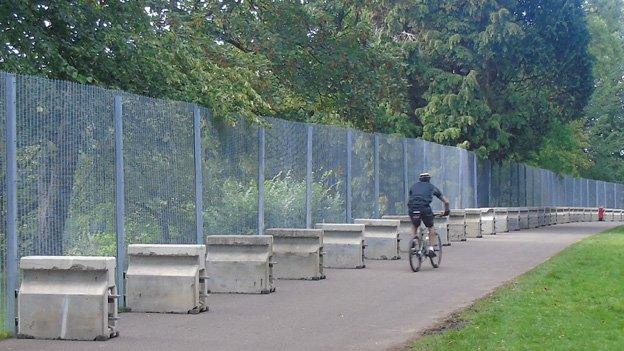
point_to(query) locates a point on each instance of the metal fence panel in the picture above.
(484, 177)
(362, 182)
(391, 195)
(329, 162)
(285, 175)
(65, 168)
(433, 159)
(230, 176)
(159, 171)
(469, 178)
(3, 207)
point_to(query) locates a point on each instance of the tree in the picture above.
(605, 111)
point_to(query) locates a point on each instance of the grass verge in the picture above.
(574, 301)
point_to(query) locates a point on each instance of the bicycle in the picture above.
(418, 248)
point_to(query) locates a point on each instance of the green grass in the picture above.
(575, 301)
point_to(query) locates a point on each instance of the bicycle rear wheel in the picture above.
(415, 254)
(437, 248)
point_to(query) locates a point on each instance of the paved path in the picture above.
(375, 308)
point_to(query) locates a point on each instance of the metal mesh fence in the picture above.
(229, 156)
(158, 171)
(187, 174)
(285, 174)
(362, 175)
(3, 203)
(329, 167)
(65, 168)
(391, 193)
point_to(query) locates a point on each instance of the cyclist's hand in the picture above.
(446, 213)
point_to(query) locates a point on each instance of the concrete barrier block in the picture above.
(501, 219)
(441, 227)
(513, 218)
(609, 217)
(381, 237)
(594, 214)
(457, 225)
(552, 215)
(240, 264)
(343, 245)
(574, 214)
(405, 231)
(166, 278)
(523, 219)
(533, 217)
(298, 253)
(67, 297)
(587, 214)
(582, 216)
(563, 215)
(488, 221)
(541, 217)
(473, 223)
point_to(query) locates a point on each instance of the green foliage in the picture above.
(236, 211)
(604, 113)
(489, 76)
(563, 149)
(574, 301)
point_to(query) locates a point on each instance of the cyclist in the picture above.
(420, 197)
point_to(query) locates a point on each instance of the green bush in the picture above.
(236, 211)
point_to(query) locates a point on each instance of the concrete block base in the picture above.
(343, 245)
(68, 298)
(240, 264)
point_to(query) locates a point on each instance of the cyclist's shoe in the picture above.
(431, 252)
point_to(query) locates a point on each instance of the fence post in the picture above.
(120, 210)
(309, 135)
(11, 186)
(405, 176)
(261, 159)
(376, 176)
(348, 177)
(199, 181)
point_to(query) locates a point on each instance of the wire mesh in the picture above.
(285, 175)
(433, 155)
(230, 176)
(415, 161)
(391, 195)
(362, 178)
(468, 179)
(159, 171)
(65, 168)
(3, 202)
(329, 164)
(484, 175)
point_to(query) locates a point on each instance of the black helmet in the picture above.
(424, 177)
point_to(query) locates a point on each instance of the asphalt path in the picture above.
(377, 308)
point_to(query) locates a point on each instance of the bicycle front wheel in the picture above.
(437, 248)
(415, 254)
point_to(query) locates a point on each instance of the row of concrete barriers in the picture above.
(75, 297)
